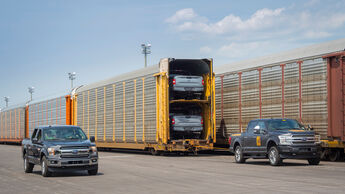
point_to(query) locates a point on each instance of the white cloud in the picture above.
(205, 50)
(188, 20)
(182, 15)
(263, 32)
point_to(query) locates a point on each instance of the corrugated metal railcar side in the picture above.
(55, 111)
(119, 112)
(12, 125)
(291, 85)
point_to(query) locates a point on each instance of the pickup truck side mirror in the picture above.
(92, 139)
(34, 140)
(310, 127)
(256, 131)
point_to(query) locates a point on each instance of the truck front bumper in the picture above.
(299, 152)
(75, 163)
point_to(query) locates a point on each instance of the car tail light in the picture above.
(202, 121)
(173, 121)
(229, 140)
(174, 81)
(203, 83)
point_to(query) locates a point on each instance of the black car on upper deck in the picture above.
(62, 147)
(276, 139)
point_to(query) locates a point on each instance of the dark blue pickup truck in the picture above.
(62, 147)
(276, 139)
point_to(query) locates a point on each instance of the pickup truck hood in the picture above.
(68, 143)
(294, 132)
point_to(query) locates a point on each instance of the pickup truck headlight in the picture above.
(93, 149)
(51, 151)
(285, 139)
(317, 139)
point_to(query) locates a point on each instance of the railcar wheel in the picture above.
(334, 155)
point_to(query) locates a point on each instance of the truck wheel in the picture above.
(314, 161)
(239, 155)
(45, 168)
(274, 157)
(93, 171)
(28, 167)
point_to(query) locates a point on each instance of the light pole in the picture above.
(6, 100)
(146, 51)
(31, 90)
(71, 76)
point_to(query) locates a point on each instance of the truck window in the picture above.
(34, 134)
(39, 135)
(261, 125)
(251, 126)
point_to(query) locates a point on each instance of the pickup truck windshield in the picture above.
(284, 124)
(64, 134)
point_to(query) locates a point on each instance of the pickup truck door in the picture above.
(29, 147)
(261, 134)
(37, 146)
(249, 140)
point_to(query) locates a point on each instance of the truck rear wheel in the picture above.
(314, 161)
(274, 157)
(28, 167)
(239, 155)
(45, 168)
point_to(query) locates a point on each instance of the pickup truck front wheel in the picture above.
(239, 155)
(274, 157)
(28, 167)
(314, 161)
(45, 168)
(93, 171)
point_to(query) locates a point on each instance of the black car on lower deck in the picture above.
(57, 148)
(276, 139)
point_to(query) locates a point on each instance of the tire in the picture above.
(93, 171)
(239, 155)
(274, 157)
(45, 168)
(334, 155)
(155, 152)
(28, 167)
(314, 161)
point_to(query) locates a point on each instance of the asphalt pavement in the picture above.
(140, 172)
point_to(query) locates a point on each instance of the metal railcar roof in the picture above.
(130, 75)
(284, 57)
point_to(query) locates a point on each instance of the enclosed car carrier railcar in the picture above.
(54, 111)
(12, 124)
(132, 110)
(307, 84)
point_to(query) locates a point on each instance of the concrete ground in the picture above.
(124, 172)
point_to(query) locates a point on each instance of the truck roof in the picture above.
(55, 126)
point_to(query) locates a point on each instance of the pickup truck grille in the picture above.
(73, 147)
(303, 139)
(75, 152)
(75, 156)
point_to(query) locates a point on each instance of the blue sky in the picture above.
(41, 41)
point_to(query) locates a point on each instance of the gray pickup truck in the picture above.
(276, 139)
(57, 148)
(186, 121)
(184, 86)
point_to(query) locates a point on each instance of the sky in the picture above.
(41, 41)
